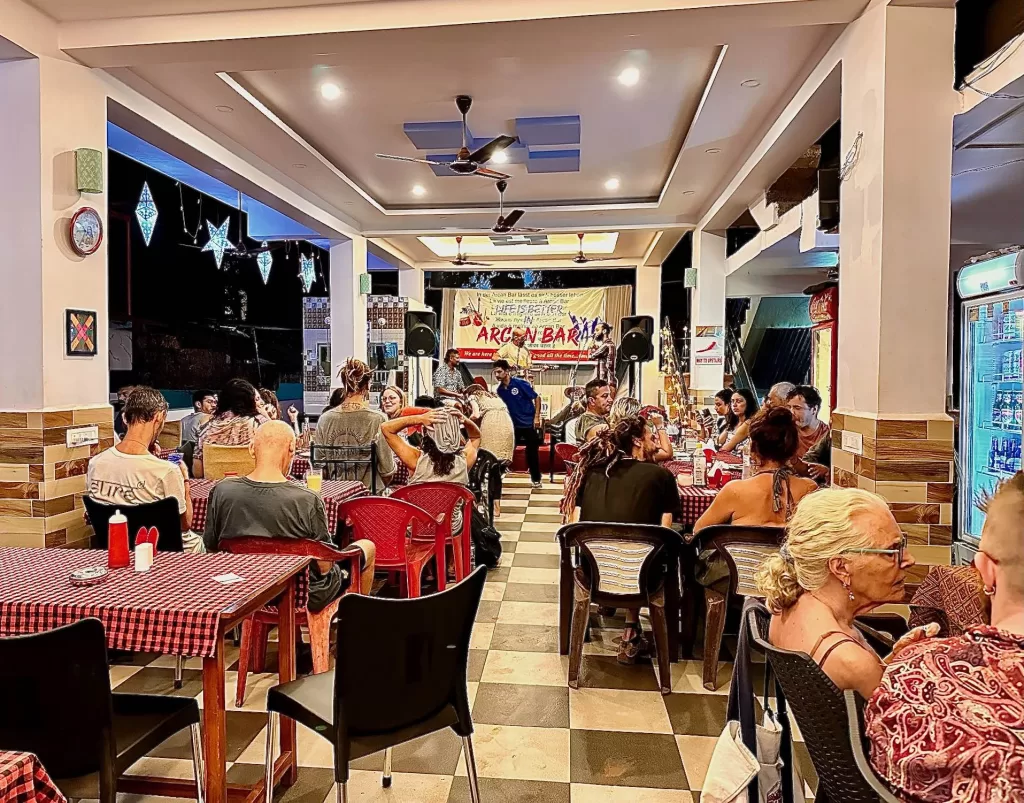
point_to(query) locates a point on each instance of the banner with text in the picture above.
(559, 324)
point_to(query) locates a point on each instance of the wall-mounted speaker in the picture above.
(637, 343)
(420, 333)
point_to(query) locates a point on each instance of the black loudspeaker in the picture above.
(637, 344)
(420, 335)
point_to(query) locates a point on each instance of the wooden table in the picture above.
(176, 609)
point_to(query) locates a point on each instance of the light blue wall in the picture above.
(776, 312)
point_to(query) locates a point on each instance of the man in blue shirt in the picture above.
(524, 407)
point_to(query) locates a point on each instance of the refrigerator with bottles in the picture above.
(991, 385)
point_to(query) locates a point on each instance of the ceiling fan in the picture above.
(507, 223)
(460, 260)
(583, 259)
(466, 163)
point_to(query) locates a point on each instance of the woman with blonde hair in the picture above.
(392, 400)
(843, 556)
(353, 423)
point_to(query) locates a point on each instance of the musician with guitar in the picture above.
(516, 353)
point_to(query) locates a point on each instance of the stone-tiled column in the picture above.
(51, 107)
(897, 113)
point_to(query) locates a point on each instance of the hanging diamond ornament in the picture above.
(307, 272)
(265, 260)
(145, 213)
(218, 242)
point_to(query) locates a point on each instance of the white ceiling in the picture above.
(654, 137)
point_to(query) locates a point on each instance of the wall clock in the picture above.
(86, 231)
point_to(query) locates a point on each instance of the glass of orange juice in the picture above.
(315, 480)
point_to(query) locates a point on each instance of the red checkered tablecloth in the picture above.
(23, 779)
(694, 502)
(334, 493)
(174, 608)
(300, 465)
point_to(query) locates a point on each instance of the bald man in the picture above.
(266, 504)
(516, 353)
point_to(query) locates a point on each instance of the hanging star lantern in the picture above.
(265, 260)
(145, 213)
(307, 272)
(218, 242)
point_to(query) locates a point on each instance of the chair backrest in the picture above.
(219, 461)
(618, 558)
(820, 711)
(743, 549)
(55, 698)
(400, 662)
(385, 521)
(453, 501)
(567, 451)
(855, 716)
(162, 514)
(346, 462)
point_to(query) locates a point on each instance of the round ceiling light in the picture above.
(225, 109)
(500, 157)
(330, 91)
(419, 191)
(629, 76)
(750, 83)
(611, 184)
(713, 151)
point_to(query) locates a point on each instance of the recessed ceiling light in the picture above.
(611, 184)
(299, 166)
(419, 191)
(500, 157)
(750, 83)
(629, 76)
(329, 91)
(225, 109)
(713, 151)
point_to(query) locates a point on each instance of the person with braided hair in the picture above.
(616, 480)
(353, 423)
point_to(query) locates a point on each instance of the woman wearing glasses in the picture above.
(844, 555)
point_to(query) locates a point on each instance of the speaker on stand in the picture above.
(636, 346)
(420, 337)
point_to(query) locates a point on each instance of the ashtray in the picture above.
(89, 576)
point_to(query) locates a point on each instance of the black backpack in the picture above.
(486, 540)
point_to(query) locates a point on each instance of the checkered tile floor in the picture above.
(615, 740)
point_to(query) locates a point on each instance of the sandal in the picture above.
(632, 647)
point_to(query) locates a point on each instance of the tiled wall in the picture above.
(42, 481)
(910, 464)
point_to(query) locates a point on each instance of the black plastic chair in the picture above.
(346, 462)
(485, 480)
(855, 716)
(820, 710)
(620, 566)
(162, 514)
(742, 549)
(400, 674)
(56, 702)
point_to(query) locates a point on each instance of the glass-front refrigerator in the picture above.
(991, 385)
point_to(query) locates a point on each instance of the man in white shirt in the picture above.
(130, 474)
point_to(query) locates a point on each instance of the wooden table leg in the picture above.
(286, 672)
(215, 739)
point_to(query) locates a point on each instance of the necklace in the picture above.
(135, 440)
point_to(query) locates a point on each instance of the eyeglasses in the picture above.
(899, 551)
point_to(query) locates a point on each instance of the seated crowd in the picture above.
(843, 554)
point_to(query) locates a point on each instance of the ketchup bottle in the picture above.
(117, 541)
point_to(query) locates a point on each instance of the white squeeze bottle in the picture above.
(700, 468)
(746, 461)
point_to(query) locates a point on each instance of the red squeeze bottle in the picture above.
(117, 541)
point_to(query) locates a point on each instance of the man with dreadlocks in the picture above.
(616, 480)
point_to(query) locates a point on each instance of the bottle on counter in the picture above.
(700, 468)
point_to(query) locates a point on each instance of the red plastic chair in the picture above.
(253, 652)
(567, 452)
(393, 525)
(440, 500)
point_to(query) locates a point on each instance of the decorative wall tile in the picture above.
(843, 460)
(940, 430)
(52, 507)
(902, 429)
(22, 456)
(941, 491)
(940, 535)
(903, 491)
(13, 420)
(915, 513)
(19, 490)
(911, 471)
(916, 533)
(16, 507)
(865, 426)
(61, 418)
(904, 449)
(20, 438)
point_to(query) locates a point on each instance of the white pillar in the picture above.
(707, 308)
(648, 302)
(410, 283)
(895, 208)
(348, 306)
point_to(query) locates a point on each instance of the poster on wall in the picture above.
(80, 332)
(559, 324)
(708, 345)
